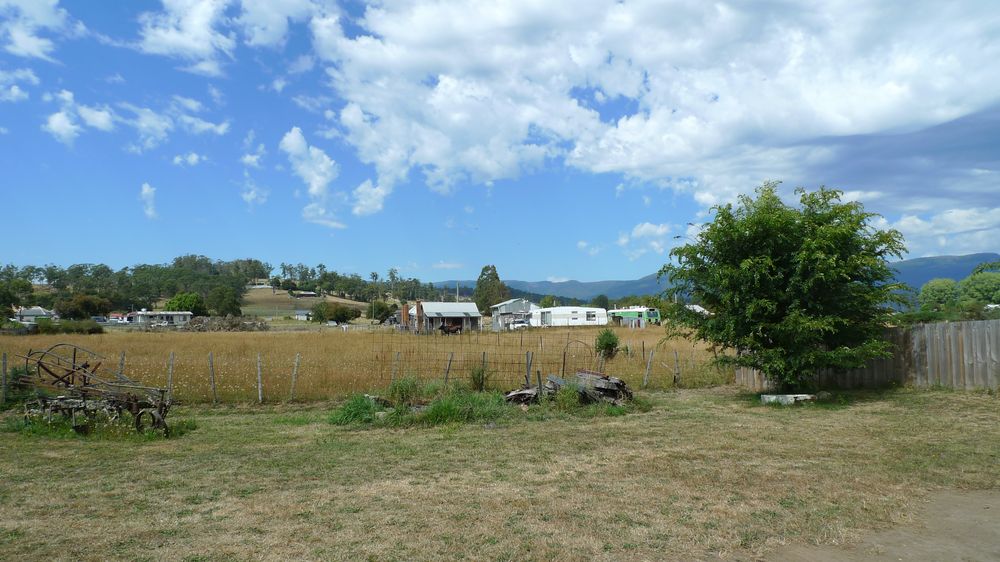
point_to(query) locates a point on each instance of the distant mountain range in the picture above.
(914, 272)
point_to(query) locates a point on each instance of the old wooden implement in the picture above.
(66, 382)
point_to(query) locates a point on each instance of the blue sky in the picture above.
(557, 141)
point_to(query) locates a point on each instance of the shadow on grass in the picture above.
(834, 399)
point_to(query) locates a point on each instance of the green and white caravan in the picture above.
(634, 316)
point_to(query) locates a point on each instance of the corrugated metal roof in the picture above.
(449, 310)
(506, 302)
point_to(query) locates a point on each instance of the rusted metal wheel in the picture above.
(151, 419)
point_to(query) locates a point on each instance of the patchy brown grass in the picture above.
(705, 474)
(335, 363)
(278, 304)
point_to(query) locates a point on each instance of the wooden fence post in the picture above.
(649, 364)
(527, 369)
(170, 377)
(260, 380)
(677, 369)
(484, 360)
(3, 380)
(562, 372)
(395, 366)
(295, 377)
(211, 378)
(447, 368)
(538, 374)
(121, 365)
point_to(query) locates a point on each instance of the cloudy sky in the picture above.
(554, 139)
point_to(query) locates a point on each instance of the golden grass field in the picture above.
(706, 474)
(335, 363)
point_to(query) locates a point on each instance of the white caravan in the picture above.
(569, 316)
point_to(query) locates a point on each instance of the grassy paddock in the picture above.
(336, 363)
(705, 473)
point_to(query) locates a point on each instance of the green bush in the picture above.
(17, 390)
(607, 343)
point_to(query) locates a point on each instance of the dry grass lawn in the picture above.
(705, 474)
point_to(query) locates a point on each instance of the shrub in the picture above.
(17, 388)
(607, 343)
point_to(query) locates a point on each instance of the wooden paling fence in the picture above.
(959, 355)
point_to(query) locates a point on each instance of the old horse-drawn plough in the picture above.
(65, 383)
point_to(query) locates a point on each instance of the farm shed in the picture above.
(429, 316)
(569, 316)
(506, 312)
(303, 315)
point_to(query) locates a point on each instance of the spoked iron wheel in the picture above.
(151, 419)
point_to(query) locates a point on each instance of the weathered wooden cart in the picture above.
(65, 380)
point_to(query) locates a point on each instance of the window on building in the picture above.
(591, 316)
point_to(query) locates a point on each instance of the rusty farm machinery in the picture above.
(66, 383)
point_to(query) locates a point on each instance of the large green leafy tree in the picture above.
(325, 311)
(983, 288)
(223, 301)
(190, 302)
(82, 307)
(489, 289)
(790, 290)
(938, 295)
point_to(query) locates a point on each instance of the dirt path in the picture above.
(952, 526)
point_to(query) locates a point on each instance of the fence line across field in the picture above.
(248, 375)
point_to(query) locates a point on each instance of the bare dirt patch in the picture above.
(949, 525)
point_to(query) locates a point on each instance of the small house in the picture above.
(504, 314)
(153, 318)
(303, 315)
(31, 314)
(445, 316)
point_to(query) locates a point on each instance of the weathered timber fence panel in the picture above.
(959, 355)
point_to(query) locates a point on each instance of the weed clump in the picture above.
(479, 376)
(607, 343)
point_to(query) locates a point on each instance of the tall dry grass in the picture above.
(335, 363)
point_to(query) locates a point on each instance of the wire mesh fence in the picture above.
(275, 367)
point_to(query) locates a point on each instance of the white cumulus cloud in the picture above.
(186, 29)
(189, 159)
(62, 126)
(317, 170)
(10, 90)
(21, 24)
(147, 194)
